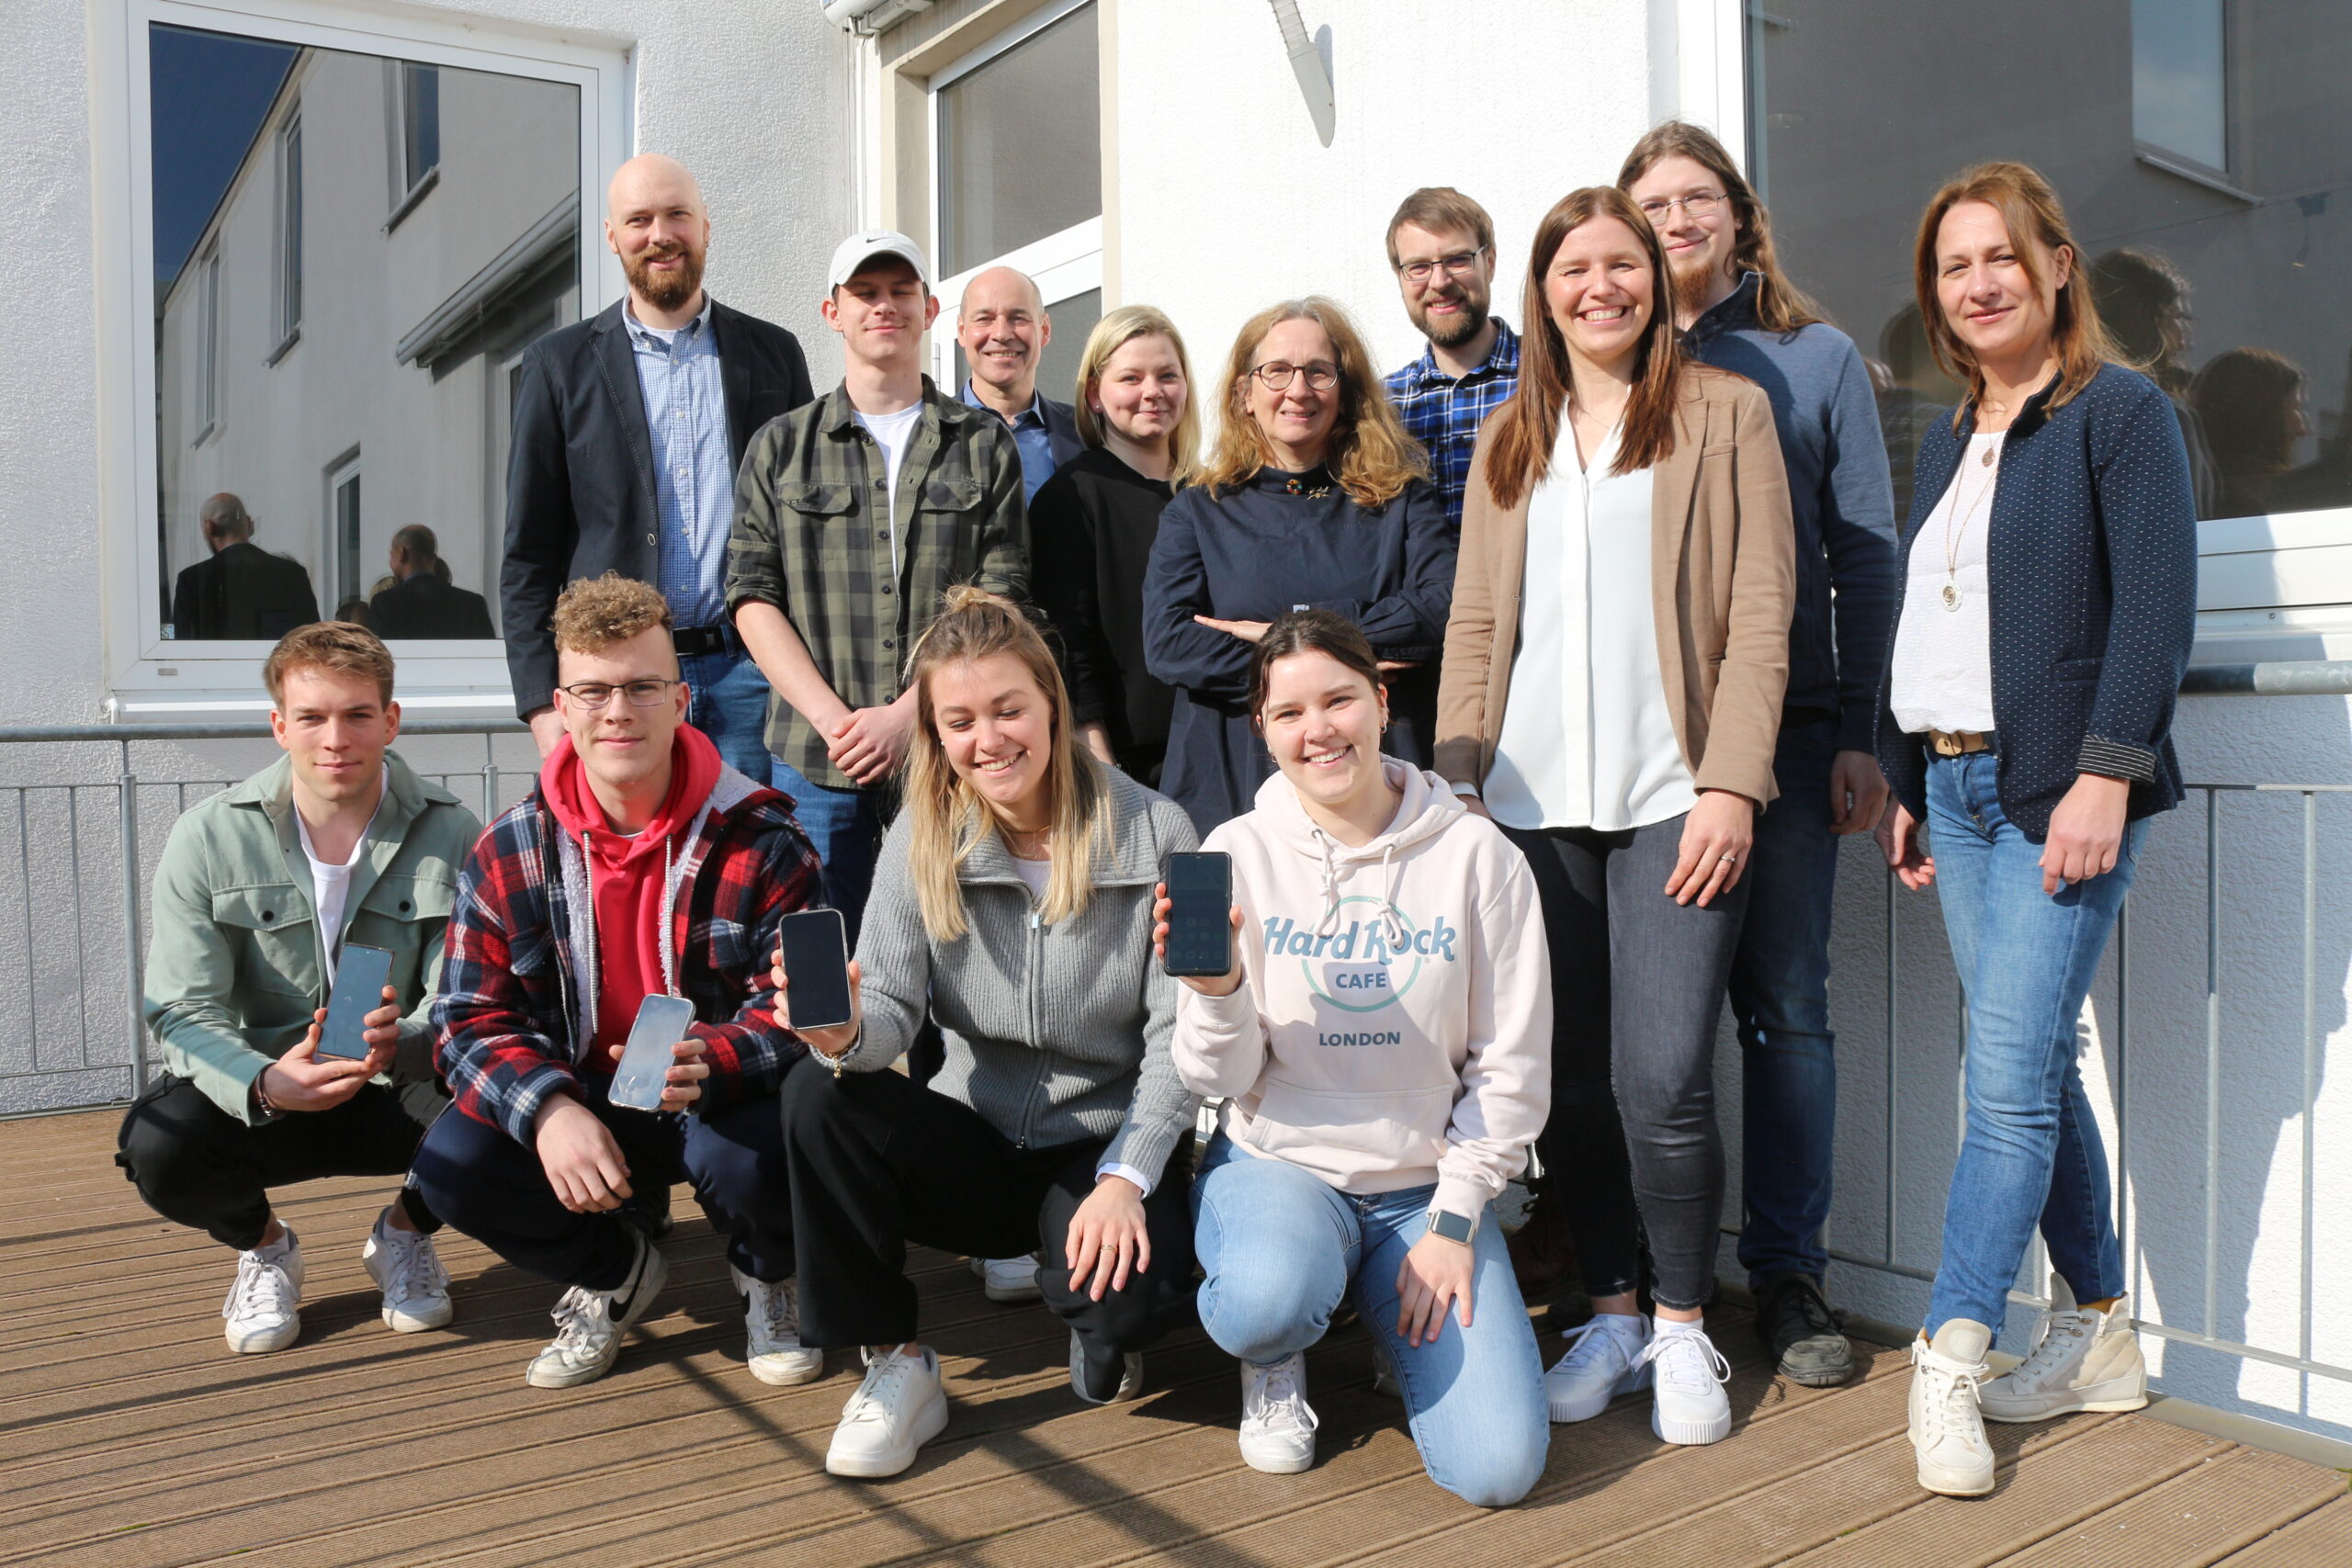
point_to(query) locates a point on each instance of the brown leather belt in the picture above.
(1959, 742)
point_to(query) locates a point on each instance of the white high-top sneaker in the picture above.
(2080, 1361)
(263, 1309)
(772, 1332)
(1947, 1431)
(898, 1407)
(408, 1271)
(1277, 1424)
(589, 1324)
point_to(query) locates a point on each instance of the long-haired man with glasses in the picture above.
(1441, 247)
(1738, 311)
(641, 865)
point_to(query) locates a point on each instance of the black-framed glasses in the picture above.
(1275, 374)
(1698, 203)
(1458, 265)
(645, 694)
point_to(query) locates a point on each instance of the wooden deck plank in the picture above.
(2321, 1538)
(2196, 1518)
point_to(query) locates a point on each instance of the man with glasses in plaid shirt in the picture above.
(1442, 245)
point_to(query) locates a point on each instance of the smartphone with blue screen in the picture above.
(1200, 925)
(360, 976)
(646, 1060)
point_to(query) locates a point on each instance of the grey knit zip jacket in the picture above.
(1057, 1035)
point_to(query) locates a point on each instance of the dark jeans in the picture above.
(495, 1191)
(1637, 987)
(844, 826)
(878, 1161)
(198, 1166)
(1779, 1006)
(730, 705)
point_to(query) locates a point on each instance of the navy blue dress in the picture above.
(1286, 541)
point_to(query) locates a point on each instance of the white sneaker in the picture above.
(1007, 1279)
(898, 1409)
(1946, 1430)
(2081, 1360)
(772, 1332)
(1689, 1374)
(264, 1309)
(408, 1271)
(1277, 1424)
(1607, 1356)
(589, 1324)
(1130, 1382)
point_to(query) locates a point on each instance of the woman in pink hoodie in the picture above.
(1382, 1047)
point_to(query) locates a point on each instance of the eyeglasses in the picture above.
(1455, 266)
(1699, 204)
(593, 694)
(1321, 376)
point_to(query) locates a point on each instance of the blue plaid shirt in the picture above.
(1443, 414)
(694, 481)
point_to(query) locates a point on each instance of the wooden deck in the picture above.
(129, 1436)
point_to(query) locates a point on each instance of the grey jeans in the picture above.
(1637, 989)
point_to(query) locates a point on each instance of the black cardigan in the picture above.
(2092, 563)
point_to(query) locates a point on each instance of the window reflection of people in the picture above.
(422, 602)
(242, 592)
(2251, 401)
(1907, 398)
(2144, 303)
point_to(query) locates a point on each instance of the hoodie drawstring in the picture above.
(1392, 926)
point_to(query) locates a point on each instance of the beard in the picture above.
(663, 291)
(1691, 284)
(1459, 328)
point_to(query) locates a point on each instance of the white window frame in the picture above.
(334, 556)
(147, 674)
(208, 349)
(287, 233)
(1065, 264)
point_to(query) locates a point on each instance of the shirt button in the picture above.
(651, 539)
(882, 533)
(885, 594)
(888, 645)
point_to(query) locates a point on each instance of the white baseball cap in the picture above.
(862, 247)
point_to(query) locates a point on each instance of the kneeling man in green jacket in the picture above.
(258, 891)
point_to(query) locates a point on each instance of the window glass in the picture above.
(1020, 146)
(2231, 295)
(409, 331)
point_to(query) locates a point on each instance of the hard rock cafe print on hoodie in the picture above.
(1394, 1026)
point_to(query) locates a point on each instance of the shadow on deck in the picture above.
(129, 1436)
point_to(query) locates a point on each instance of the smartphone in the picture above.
(1200, 924)
(646, 1060)
(360, 976)
(816, 963)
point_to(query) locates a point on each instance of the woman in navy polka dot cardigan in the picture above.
(2049, 591)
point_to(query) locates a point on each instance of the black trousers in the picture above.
(196, 1164)
(878, 1161)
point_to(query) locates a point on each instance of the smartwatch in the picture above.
(1452, 1226)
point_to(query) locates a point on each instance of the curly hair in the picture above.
(1369, 455)
(597, 612)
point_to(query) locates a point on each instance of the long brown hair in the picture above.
(1781, 306)
(1519, 437)
(2037, 227)
(1371, 456)
(947, 818)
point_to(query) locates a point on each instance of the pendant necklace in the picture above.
(1963, 512)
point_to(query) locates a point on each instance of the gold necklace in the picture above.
(1964, 512)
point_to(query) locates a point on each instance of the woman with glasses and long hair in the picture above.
(1092, 527)
(1317, 499)
(1611, 698)
(2049, 600)
(1012, 906)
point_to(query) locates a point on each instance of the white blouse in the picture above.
(1941, 677)
(1588, 740)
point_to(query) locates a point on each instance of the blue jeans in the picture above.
(1779, 1005)
(729, 704)
(844, 826)
(1280, 1247)
(2025, 960)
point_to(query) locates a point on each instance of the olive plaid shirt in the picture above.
(813, 538)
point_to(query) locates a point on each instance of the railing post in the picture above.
(127, 810)
(489, 777)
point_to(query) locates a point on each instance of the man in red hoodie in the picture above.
(641, 865)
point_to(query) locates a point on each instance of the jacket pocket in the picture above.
(395, 914)
(1389, 1128)
(814, 500)
(278, 928)
(951, 495)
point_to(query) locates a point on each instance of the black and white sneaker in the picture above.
(1101, 1376)
(589, 1324)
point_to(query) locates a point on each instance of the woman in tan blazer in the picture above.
(1611, 696)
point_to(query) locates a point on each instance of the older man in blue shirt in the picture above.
(1002, 326)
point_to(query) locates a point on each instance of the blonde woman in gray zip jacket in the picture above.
(1012, 906)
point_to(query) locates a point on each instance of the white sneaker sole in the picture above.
(401, 1320)
(545, 1373)
(2115, 1395)
(930, 1420)
(784, 1369)
(1277, 1459)
(1692, 1434)
(1028, 1292)
(261, 1342)
(1583, 1406)
(1947, 1483)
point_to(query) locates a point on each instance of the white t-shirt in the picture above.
(1035, 873)
(1588, 740)
(892, 433)
(330, 883)
(1942, 671)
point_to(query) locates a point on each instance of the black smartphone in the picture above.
(1200, 925)
(815, 966)
(360, 976)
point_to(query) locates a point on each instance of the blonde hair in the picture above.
(595, 613)
(2037, 226)
(1114, 333)
(946, 818)
(1371, 456)
(338, 647)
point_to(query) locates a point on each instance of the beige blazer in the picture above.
(1723, 584)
